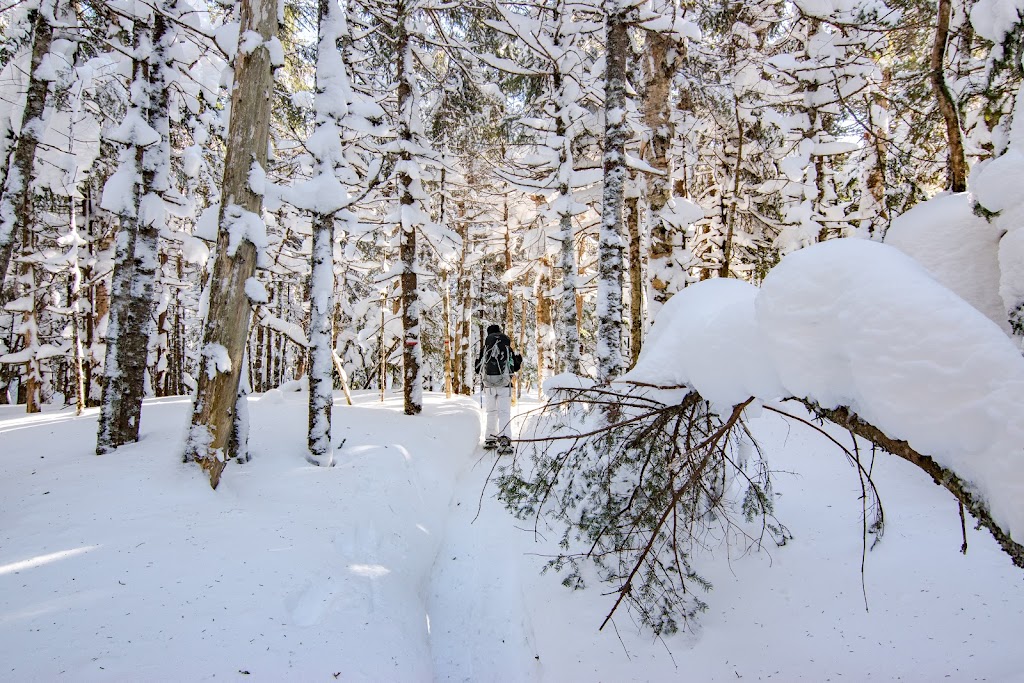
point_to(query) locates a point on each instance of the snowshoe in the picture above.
(490, 443)
(505, 446)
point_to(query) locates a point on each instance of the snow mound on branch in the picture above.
(958, 248)
(858, 323)
(993, 19)
(706, 337)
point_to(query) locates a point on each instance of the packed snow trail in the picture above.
(479, 627)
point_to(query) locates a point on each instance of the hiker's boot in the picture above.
(490, 443)
(504, 445)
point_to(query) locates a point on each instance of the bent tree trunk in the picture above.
(227, 318)
(957, 164)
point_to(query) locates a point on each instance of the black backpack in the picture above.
(498, 361)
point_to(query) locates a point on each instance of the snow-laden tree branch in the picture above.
(634, 474)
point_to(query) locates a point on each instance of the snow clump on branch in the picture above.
(856, 323)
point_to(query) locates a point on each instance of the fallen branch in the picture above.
(847, 419)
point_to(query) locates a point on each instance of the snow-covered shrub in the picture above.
(635, 482)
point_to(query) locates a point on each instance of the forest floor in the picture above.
(398, 564)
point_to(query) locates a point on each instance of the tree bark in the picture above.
(667, 278)
(227, 320)
(412, 352)
(16, 201)
(321, 351)
(731, 217)
(543, 324)
(330, 78)
(946, 478)
(956, 162)
(448, 384)
(610, 247)
(136, 262)
(568, 320)
(636, 282)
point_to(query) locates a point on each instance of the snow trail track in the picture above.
(479, 626)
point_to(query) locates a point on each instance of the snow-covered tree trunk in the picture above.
(545, 354)
(665, 275)
(610, 245)
(16, 200)
(509, 296)
(75, 298)
(161, 341)
(568, 322)
(463, 378)
(331, 107)
(570, 289)
(446, 288)
(240, 227)
(100, 244)
(636, 274)
(29, 305)
(874, 208)
(133, 193)
(956, 162)
(510, 317)
(321, 361)
(730, 204)
(412, 353)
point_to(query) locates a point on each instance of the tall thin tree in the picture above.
(610, 242)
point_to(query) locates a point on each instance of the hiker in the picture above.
(496, 365)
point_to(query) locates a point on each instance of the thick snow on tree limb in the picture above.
(859, 324)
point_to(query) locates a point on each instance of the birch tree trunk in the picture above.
(636, 278)
(228, 315)
(15, 203)
(610, 247)
(136, 260)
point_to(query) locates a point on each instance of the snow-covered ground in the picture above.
(393, 566)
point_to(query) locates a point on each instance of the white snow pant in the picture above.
(498, 402)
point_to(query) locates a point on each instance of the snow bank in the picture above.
(857, 323)
(129, 567)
